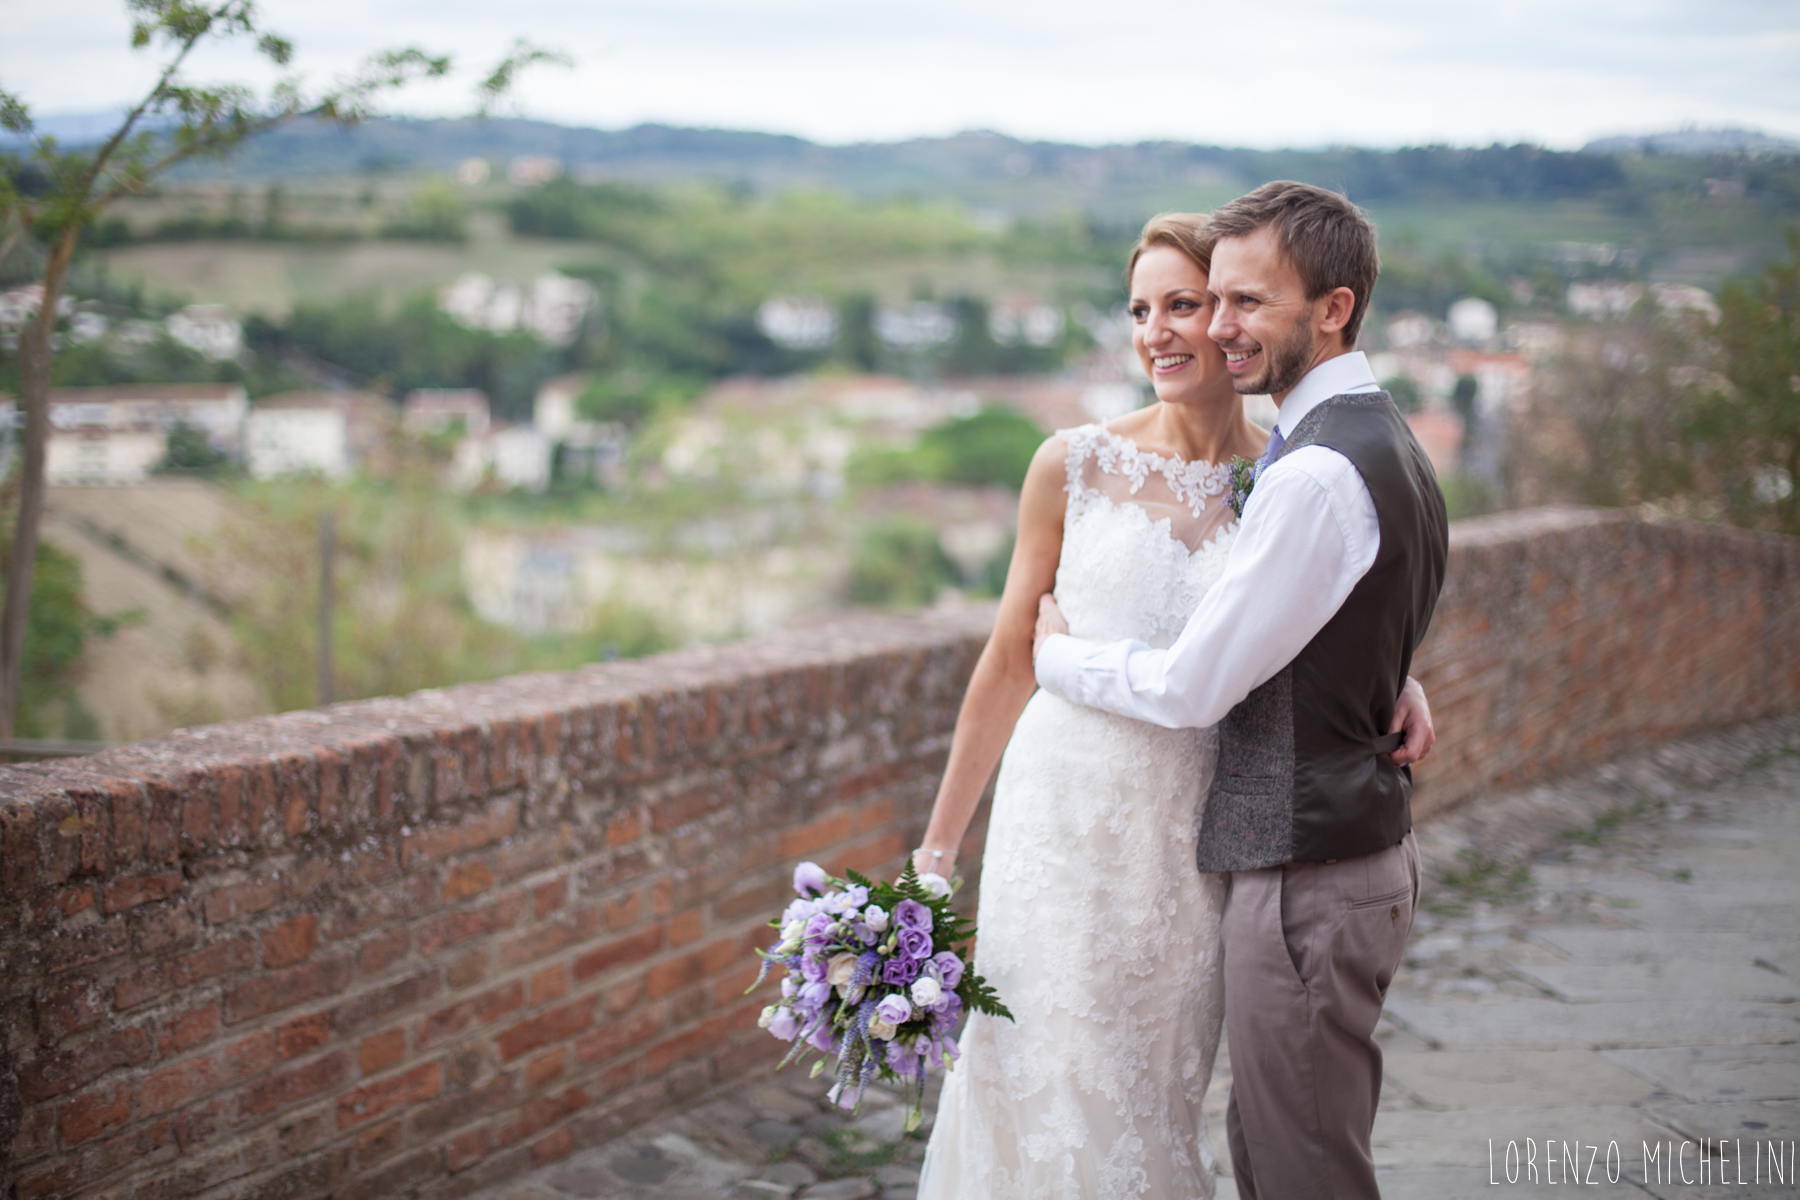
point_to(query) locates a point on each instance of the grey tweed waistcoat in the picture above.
(1303, 774)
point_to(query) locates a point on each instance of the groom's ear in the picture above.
(1339, 307)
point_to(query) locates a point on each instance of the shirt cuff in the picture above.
(1059, 665)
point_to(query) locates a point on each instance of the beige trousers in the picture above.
(1310, 949)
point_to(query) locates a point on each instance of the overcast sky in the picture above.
(1265, 73)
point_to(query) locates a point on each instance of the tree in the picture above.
(1747, 432)
(53, 194)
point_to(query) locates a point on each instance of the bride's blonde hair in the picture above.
(1187, 233)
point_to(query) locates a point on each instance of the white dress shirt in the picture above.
(1308, 534)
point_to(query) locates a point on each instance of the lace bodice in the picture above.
(1097, 929)
(1143, 538)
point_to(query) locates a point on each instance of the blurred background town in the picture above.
(462, 398)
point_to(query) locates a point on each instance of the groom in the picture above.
(1298, 655)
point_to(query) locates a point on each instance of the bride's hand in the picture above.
(1049, 621)
(1413, 715)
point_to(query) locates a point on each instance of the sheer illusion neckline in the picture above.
(1193, 482)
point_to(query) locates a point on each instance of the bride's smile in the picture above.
(1170, 312)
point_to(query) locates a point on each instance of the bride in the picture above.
(1097, 929)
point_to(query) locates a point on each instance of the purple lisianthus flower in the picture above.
(894, 1010)
(949, 969)
(818, 926)
(812, 968)
(820, 1038)
(946, 1011)
(786, 1025)
(951, 1050)
(864, 934)
(815, 994)
(910, 914)
(914, 943)
(789, 986)
(901, 1059)
(900, 971)
(852, 897)
(809, 879)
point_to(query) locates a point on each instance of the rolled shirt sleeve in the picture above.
(1308, 534)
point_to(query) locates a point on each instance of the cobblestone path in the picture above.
(1614, 959)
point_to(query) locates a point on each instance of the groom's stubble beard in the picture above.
(1289, 359)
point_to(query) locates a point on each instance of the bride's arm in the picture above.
(1003, 679)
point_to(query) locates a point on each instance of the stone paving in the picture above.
(1611, 959)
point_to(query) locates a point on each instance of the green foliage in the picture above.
(434, 213)
(994, 446)
(1747, 433)
(416, 347)
(56, 634)
(898, 563)
(1405, 392)
(632, 397)
(190, 451)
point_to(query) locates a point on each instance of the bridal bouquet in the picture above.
(875, 976)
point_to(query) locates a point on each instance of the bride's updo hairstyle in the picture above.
(1184, 232)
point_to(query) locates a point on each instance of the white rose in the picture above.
(839, 969)
(875, 917)
(880, 1030)
(767, 1018)
(926, 991)
(935, 885)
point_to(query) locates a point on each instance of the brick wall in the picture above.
(415, 946)
(1564, 636)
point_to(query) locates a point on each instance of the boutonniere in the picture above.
(1243, 478)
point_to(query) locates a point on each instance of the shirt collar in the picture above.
(1341, 375)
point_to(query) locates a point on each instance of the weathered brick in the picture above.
(465, 1150)
(390, 998)
(94, 1112)
(618, 951)
(440, 1116)
(232, 901)
(190, 1029)
(553, 1026)
(297, 1036)
(291, 941)
(468, 969)
(548, 936)
(467, 1014)
(373, 1145)
(448, 930)
(383, 950)
(686, 927)
(552, 1146)
(133, 890)
(71, 900)
(802, 840)
(545, 1067)
(682, 1046)
(610, 1039)
(551, 983)
(468, 879)
(368, 1102)
(273, 991)
(135, 987)
(539, 1113)
(290, 1087)
(382, 1050)
(159, 927)
(70, 1009)
(56, 1074)
(665, 977)
(547, 897)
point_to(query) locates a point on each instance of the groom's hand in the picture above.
(1049, 621)
(1413, 715)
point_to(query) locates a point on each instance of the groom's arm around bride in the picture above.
(1299, 656)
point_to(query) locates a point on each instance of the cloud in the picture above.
(1290, 72)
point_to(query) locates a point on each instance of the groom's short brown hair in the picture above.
(1328, 239)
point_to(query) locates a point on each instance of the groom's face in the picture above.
(1261, 316)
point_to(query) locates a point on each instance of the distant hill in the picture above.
(972, 167)
(1696, 142)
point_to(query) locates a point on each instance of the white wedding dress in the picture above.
(1096, 928)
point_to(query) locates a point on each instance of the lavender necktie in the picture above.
(1276, 442)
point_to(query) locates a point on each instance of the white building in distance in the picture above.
(208, 330)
